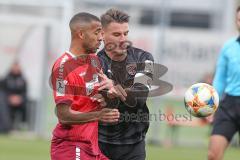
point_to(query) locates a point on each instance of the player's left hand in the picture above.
(117, 91)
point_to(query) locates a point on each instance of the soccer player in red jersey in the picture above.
(79, 106)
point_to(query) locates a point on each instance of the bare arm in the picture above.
(69, 117)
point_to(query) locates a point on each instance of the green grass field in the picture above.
(37, 149)
(23, 147)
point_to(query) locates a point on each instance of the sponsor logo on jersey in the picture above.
(93, 62)
(60, 86)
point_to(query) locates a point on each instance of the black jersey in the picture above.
(133, 123)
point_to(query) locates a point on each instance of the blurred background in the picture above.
(184, 35)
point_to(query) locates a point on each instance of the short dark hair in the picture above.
(238, 9)
(82, 18)
(114, 15)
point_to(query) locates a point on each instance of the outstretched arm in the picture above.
(68, 116)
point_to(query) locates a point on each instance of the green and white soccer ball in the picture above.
(201, 100)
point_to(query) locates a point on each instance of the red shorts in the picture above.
(73, 152)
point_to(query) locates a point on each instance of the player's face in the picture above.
(238, 20)
(16, 69)
(92, 37)
(115, 36)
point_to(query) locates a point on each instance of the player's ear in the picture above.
(81, 34)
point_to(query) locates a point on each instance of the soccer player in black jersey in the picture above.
(123, 64)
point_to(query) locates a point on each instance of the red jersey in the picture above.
(74, 81)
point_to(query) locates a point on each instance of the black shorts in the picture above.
(227, 117)
(124, 151)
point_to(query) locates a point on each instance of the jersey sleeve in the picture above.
(219, 80)
(62, 84)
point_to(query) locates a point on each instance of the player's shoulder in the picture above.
(93, 55)
(229, 43)
(61, 60)
(138, 51)
(140, 54)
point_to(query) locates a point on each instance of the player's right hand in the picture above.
(108, 115)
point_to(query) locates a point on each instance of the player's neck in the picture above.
(77, 50)
(116, 58)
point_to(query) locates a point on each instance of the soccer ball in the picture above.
(201, 100)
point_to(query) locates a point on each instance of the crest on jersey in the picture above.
(89, 87)
(94, 62)
(91, 84)
(131, 68)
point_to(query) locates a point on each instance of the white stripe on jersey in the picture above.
(78, 156)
